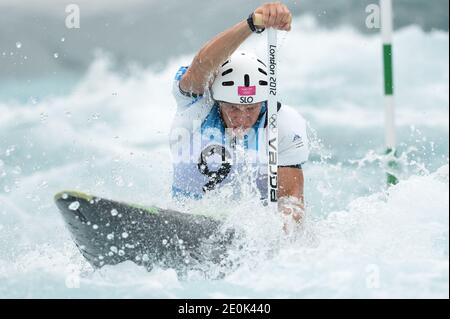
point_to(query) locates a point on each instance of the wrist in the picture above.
(252, 26)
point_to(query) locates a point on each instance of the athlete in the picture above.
(218, 137)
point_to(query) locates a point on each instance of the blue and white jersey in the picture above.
(206, 156)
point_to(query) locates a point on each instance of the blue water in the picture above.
(108, 135)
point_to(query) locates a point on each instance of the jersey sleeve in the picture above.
(183, 99)
(191, 108)
(293, 139)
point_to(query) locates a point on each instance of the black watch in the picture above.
(252, 26)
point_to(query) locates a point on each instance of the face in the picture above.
(240, 117)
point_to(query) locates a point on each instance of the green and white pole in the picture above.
(386, 32)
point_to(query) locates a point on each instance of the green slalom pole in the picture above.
(386, 32)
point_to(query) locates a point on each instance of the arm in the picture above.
(201, 71)
(290, 192)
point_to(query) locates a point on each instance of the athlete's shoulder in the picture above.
(288, 117)
(181, 71)
(293, 138)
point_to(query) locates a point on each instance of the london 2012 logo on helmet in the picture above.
(246, 93)
(246, 90)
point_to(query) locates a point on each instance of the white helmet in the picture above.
(241, 80)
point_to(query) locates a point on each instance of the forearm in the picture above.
(290, 192)
(213, 54)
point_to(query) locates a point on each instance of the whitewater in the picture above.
(109, 137)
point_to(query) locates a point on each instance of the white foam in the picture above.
(114, 143)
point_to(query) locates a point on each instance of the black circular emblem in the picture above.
(215, 177)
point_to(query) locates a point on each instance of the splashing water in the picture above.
(359, 239)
